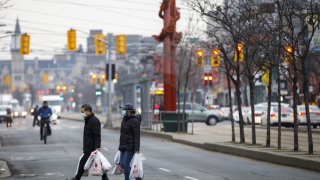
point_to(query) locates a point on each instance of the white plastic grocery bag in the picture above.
(118, 170)
(97, 164)
(136, 166)
(117, 157)
(105, 164)
(90, 160)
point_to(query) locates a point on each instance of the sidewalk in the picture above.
(218, 139)
(4, 169)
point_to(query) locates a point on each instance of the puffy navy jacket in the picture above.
(45, 113)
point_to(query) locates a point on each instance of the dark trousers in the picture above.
(125, 159)
(42, 122)
(80, 168)
(9, 121)
(35, 120)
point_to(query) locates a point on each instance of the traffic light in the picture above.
(94, 79)
(239, 50)
(24, 44)
(72, 40)
(207, 78)
(7, 80)
(200, 58)
(215, 58)
(265, 77)
(113, 71)
(58, 89)
(288, 54)
(99, 44)
(103, 79)
(45, 78)
(121, 44)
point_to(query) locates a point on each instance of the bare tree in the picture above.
(185, 57)
(300, 23)
(229, 20)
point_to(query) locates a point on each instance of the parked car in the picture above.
(198, 113)
(245, 111)
(272, 104)
(19, 112)
(314, 115)
(286, 116)
(259, 110)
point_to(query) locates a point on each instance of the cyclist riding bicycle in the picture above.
(45, 113)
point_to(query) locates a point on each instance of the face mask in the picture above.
(83, 115)
(123, 113)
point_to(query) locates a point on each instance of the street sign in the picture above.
(209, 99)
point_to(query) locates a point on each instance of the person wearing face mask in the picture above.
(91, 139)
(129, 137)
(45, 113)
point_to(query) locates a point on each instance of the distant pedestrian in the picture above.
(129, 137)
(35, 116)
(9, 117)
(91, 139)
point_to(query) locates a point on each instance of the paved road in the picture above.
(29, 158)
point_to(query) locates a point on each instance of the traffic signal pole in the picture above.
(109, 118)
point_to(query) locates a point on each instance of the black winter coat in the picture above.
(130, 134)
(91, 134)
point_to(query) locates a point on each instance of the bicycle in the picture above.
(45, 133)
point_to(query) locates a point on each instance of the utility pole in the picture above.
(108, 84)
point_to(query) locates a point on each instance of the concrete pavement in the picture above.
(219, 140)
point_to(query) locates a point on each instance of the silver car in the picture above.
(286, 116)
(198, 113)
(314, 115)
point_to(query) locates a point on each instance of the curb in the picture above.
(243, 152)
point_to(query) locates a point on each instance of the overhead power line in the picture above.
(84, 20)
(104, 9)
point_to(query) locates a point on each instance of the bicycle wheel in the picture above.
(45, 134)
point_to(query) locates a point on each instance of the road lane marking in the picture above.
(106, 149)
(188, 177)
(167, 170)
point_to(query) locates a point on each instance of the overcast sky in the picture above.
(47, 21)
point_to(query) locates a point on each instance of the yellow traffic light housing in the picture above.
(288, 54)
(7, 80)
(99, 44)
(200, 58)
(103, 79)
(239, 50)
(24, 44)
(72, 40)
(121, 44)
(93, 78)
(215, 58)
(45, 78)
(58, 89)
